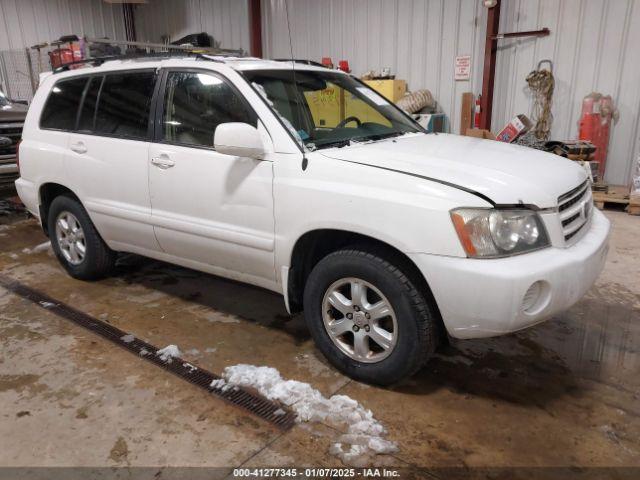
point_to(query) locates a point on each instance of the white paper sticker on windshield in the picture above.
(373, 96)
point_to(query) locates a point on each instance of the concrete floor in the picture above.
(565, 393)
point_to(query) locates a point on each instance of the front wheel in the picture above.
(368, 318)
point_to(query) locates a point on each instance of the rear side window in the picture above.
(88, 112)
(61, 108)
(124, 103)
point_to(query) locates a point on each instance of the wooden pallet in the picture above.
(634, 205)
(617, 194)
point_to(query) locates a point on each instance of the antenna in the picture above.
(305, 161)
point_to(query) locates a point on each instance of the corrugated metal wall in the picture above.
(226, 20)
(418, 39)
(592, 46)
(28, 22)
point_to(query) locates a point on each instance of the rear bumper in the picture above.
(484, 298)
(28, 194)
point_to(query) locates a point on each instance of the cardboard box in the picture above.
(517, 126)
(479, 133)
(330, 106)
(392, 90)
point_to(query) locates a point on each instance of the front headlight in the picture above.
(498, 233)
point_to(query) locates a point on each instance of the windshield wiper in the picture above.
(336, 144)
(382, 136)
(365, 138)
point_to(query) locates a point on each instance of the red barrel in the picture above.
(595, 125)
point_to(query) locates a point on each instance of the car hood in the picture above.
(14, 112)
(506, 174)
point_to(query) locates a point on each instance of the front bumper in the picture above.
(484, 297)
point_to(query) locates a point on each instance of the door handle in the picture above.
(78, 147)
(162, 162)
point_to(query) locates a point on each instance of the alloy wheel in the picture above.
(70, 238)
(359, 320)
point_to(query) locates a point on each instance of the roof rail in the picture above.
(97, 61)
(300, 60)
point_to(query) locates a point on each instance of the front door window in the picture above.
(195, 104)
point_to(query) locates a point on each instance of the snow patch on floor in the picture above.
(220, 384)
(192, 368)
(43, 247)
(168, 353)
(365, 435)
(128, 338)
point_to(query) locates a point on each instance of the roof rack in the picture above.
(166, 51)
(165, 46)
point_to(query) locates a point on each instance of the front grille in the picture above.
(569, 236)
(8, 174)
(8, 168)
(12, 131)
(575, 209)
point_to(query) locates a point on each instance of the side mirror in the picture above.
(239, 140)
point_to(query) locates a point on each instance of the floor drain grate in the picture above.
(253, 403)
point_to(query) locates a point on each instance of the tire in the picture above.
(415, 327)
(98, 260)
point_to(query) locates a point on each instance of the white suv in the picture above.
(306, 182)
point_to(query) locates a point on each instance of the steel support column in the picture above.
(255, 28)
(489, 73)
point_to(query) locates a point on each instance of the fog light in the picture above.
(536, 298)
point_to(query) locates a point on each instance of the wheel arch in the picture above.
(314, 245)
(46, 194)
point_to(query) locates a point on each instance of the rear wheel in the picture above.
(368, 318)
(76, 242)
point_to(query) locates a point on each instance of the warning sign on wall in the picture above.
(463, 67)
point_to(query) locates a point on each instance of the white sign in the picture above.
(463, 67)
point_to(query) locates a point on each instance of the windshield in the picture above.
(327, 109)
